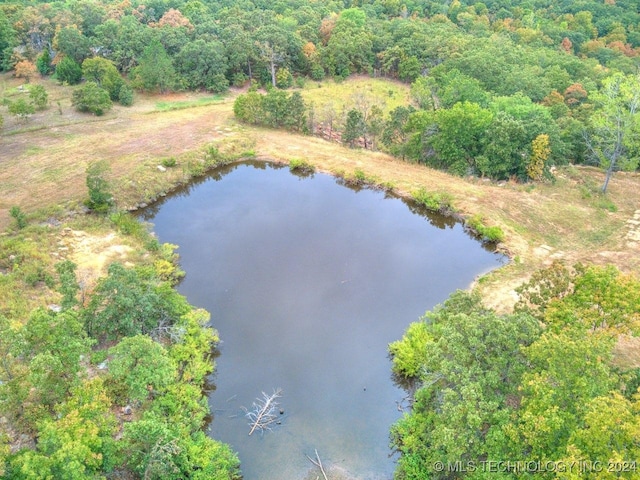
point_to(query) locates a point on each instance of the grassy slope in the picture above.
(42, 167)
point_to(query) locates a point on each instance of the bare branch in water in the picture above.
(264, 412)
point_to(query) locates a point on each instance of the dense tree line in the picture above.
(512, 71)
(546, 384)
(110, 383)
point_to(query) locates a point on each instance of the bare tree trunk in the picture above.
(273, 73)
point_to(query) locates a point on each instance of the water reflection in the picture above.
(307, 283)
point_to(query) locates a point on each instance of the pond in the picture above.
(307, 282)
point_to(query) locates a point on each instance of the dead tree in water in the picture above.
(265, 411)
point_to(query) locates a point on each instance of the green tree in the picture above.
(208, 459)
(125, 40)
(276, 108)
(354, 128)
(104, 74)
(100, 199)
(350, 46)
(422, 93)
(567, 371)
(69, 287)
(47, 353)
(14, 386)
(191, 350)
(43, 62)
(601, 301)
(609, 435)
(612, 139)
(38, 96)
(284, 79)
(78, 444)
(469, 362)
(202, 63)
(125, 95)
(159, 450)
(455, 87)
(141, 366)
(249, 108)
(296, 115)
(68, 71)
(410, 355)
(395, 135)
(91, 98)
(125, 303)
(155, 71)
(540, 152)
(7, 38)
(70, 42)
(272, 45)
(460, 136)
(155, 450)
(505, 153)
(22, 109)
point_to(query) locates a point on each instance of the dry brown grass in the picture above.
(567, 220)
(44, 161)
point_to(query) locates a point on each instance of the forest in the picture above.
(502, 90)
(520, 86)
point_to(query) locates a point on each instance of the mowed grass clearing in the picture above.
(342, 96)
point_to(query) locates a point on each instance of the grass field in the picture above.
(343, 95)
(43, 163)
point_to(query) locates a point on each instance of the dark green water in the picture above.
(307, 282)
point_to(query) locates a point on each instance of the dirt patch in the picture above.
(627, 352)
(93, 253)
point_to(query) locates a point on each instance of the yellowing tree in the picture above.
(25, 69)
(540, 152)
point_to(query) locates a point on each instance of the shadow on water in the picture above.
(217, 174)
(435, 219)
(307, 283)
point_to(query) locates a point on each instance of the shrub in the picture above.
(22, 109)
(491, 234)
(437, 202)
(100, 200)
(125, 95)
(43, 62)
(284, 79)
(38, 96)
(25, 69)
(105, 74)
(299, 165)
(169, 162)
(239, 79)
(68, 71)
(19, 216)
(91, 98)
(317, 72)
(128, 225)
